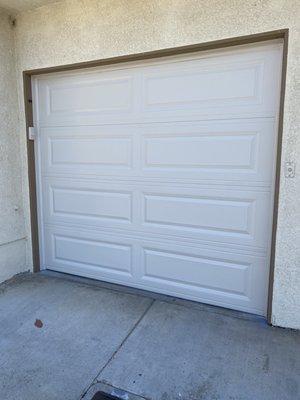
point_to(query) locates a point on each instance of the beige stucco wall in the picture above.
(12, 233)
(80, 30)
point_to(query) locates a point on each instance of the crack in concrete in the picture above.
(135, 325)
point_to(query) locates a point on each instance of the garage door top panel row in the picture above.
(227, 84)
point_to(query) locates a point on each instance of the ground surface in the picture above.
(64, 339)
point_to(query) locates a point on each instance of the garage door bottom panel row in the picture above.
(217, 277)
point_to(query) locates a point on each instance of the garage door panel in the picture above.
(221, 296)
(224, 216)
(183, 269)
(199, 213)
(192, 272)
(227, 150)
(86, 151)
(217, 214)
(103, 151)
(92, 203)
(89, 203)
(191, 85)
(239, 151)
(106, 257)
(230, 85)
(84, 98)
(219, 276)
(208, 151)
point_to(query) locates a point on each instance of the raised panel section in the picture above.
(228, 84)
(100, 95)
(91, 204)
(87, 252)
(208, 214)
(228, 278)
(113, 151)
(88, 150)
(185, 270)
(187, 86)
(214, 151)
(86, 97)
(208, 151)
(217, 214)
(87, 203)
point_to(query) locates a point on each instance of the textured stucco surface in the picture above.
(81, 30)
(12, 246)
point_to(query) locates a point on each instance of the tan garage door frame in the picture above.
(250, 39)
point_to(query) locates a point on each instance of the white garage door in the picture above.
(160, 174)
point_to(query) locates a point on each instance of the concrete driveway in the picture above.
(64, 338)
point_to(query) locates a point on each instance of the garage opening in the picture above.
(160, 174)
